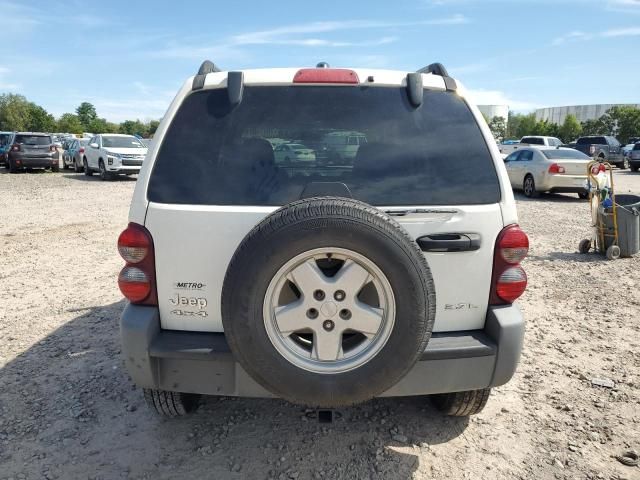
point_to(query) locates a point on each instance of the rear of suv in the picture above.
(391, 273)
(32, 150)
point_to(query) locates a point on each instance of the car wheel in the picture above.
(584, 246)
(171, 404)
(11, 167)
(87, 170)
(634, 168)
(65, 166)
(328, 302)
(76, 167)
(461, 404)
(104, 174)
(529, 187)
(613, 252)
(625, 164)
(583, 195)
(55, 168)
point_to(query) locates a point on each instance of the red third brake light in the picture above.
(326, 75)
(509, 280)
(137, 279)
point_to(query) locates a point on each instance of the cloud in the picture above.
(583, 36)
(622, 32)
(312, 34)
(571, 36)
(497, 97)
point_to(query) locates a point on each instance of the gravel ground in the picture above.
(68, 410)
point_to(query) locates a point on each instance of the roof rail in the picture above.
(206, 67)
(438, 69)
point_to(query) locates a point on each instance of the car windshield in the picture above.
(590, 141)
(218, 154)
(33, 139)
(568, 153)
(4, 139)
(121, 142)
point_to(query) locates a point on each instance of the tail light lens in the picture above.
(555, 168)
(15, 147)
(509, 280)
(592, 150)
(81, 150)
(52, 148)
(137, 280)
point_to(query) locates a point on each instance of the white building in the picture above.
(491, 111)
(581, 112)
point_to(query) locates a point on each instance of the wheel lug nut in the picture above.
(339, 295)
(345, 314)
(328, 325)
(312, 313)
(318, 295)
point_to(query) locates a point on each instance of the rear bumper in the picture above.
(24, 161)
(563, 183)
(197, 362)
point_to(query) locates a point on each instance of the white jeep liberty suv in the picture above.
(391, 272)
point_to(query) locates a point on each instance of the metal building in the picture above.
(582, 112)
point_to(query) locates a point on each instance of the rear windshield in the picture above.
(533, 141)
(4, 138)
(214, 154)
(565, 153)
(636, 146)
(33, 139)
(592, 141)
(121, 142)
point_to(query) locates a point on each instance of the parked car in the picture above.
(531, 140)
(342, 145)
(634, 158)
(626, 150)
(288, 153)
(6, 140)
(317, 286)
(547, 169)
(32, 150)
(113, 154)
(604, 148)
(74, 154)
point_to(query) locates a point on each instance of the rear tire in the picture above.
(583, 195)
(87, 170)
(634, 168)
(55, 168)
(529, 187)
(11, 167)
(171, 404)
(461, 404)
(625, 164)
(65, 166)
(76, 168)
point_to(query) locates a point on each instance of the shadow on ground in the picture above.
(70, 411)
(96, 178)
(550, 197)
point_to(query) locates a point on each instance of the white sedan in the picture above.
(548, 169)
(293, 152)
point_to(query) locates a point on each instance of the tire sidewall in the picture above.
(243, 317)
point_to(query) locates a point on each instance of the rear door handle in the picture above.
(450, 242)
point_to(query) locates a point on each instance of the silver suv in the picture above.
(390, 273)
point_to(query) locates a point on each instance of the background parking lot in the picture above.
(68, 409)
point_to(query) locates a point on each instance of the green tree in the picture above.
(526, 126)
(15, 112)
(40, 120)
(133, 127)
(152, 127)
(69, 123)
(622, 122)
(498, 127)
(590, 127)
(86, 114)
(570, 129)
(100, 125)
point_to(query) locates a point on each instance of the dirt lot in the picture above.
(68, 410)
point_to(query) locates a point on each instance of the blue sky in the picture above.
(129, 58)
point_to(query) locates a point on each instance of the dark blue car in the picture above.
(6, 139)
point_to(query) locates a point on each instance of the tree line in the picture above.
(19, 114)
(622, 122)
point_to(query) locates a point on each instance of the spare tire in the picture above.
(328, 302)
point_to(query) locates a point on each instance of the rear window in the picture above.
(636, 146)
(213, 154)
(33, 139)
(4, 139)
(568, 153)
(592, 141)
(533, 141)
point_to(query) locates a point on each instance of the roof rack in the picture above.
(206, 67)
(438, 69)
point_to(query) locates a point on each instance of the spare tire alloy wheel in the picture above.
(332, 326)
(328, 302)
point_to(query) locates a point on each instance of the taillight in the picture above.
(137, 280)
(325, 75)
(509, 280)
(81, 150)
(15, 147)
(592, 149)
(52, 148)
(555, 168)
